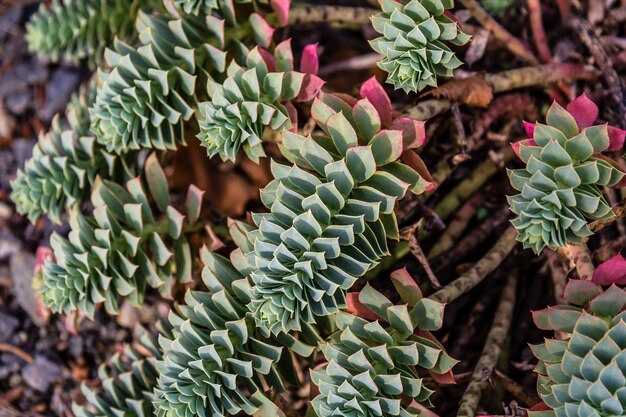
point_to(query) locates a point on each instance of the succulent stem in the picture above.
(479, 271)
(491, 352)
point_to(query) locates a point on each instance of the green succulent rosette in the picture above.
(123, 247)
(374, 357)
(330, 212)
(560, 188)
(414, 42)
(583, 375)
(217, 363)
(78, 29)
(127, 381)
(149, 93)
(64, 165)
(254, 97)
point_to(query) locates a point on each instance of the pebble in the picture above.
(41, 373)
(8, 324)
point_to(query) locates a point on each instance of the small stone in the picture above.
(40, 374)
(8, 324)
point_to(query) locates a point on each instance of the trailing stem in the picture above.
(303, 14)
(479, 271)
(491, 352)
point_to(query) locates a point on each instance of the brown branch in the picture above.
(613, 80)
(539, 34)
(514, 45)
(516, 390)
(491, 352)
(619, 211)
(480, 270)
(16, 351)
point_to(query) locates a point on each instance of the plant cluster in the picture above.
(174, 71)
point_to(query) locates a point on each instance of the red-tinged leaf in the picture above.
(375, 93)
(263, 32)
(540, 406)
(612, 271)
(355, 307)
(214, 243)
(283, 54)
(523, 142)
(311, 87)
(281, 8)
(583, 110)
(72, 322)
(268, 58)
(293, 116)
(529, 128)
(309, 63)
(413, 131)
(42, 255)
(616, 139)
(406, 286)
(413, 160)
(448, 377)
(421, 410)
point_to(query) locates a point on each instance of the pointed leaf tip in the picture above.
(616, 139)
(612, 271)
(583, 110)
(375, 93)
(281, 8)
(263, 32)
(309, 63)
(529, 128)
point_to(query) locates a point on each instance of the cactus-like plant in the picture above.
(123, 247)
(372, 363)
(413, 42)
(331, 211)
(149, 92)
(560, 186)
(128, 380)
(64, 164)
(77, 29)
(216, 363)
(585, 374)
(252, 98)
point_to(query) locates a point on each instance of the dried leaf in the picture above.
(475, 91)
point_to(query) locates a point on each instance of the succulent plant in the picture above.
(77, 29)
(330, 212)
(122, 247)
(252, 98)
(216, 363)
(64, 164)
(560, 186)
(413, 42)
(128, 380)
(584, 375)
(149, 92)
(372, 363)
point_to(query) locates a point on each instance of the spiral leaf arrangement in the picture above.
(149, 93)
(253, 98)
(584, 375)
(560, 186)
(216, 362)
(127, 381)
(372, 364)
(413, 42)
(64, 165)
(330, 212)
(77, 29)
(123, 247)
